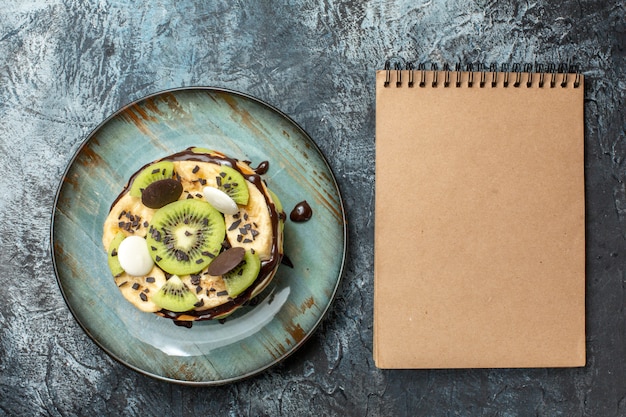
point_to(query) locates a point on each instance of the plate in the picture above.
(255, 337)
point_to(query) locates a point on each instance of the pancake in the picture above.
(250, 219)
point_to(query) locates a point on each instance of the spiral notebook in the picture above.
(480, 219)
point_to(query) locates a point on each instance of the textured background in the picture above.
(66, 65)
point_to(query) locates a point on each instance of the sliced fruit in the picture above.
(134, 257)
(175, 296)
(114, 262)
(243, 275)
(220, 200)
(282, 216)
(210, 290)
(251, 227)
(151, 173)
(185, 236)
(198, 149)
(161, 193)
(129, 216)
(194, 176)
(233, 183)
(277, 204)
(139, 290)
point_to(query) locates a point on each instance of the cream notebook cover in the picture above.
(480, 220)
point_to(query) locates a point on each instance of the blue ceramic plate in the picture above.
(255, 337)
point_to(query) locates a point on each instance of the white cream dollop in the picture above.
(134, 256)
(220, 200)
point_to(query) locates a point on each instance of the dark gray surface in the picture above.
(66, 65)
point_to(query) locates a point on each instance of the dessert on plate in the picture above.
(194, 235)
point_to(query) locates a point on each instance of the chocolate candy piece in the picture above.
(161, 192)
(226, 261)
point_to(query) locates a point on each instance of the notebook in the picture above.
(479, 219)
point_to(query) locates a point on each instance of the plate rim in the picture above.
(323, 313)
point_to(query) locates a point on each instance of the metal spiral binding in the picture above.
(493, 68)
(409, 67)
(421, 69)
(435, 69)
(547, 74)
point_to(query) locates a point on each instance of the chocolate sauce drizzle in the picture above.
(262, 168)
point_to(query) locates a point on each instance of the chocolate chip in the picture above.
(234, 225)
(181, 256)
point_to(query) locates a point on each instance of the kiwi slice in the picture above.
(232, 183)
(243, 275)
(277, 204)
(184, 236)
(114, 263)
(175, 296)
(153, 172)
(198, 149)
